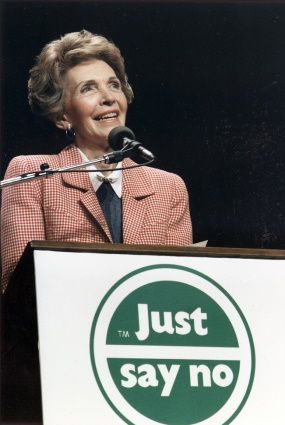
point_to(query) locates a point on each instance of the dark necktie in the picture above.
(111, 205)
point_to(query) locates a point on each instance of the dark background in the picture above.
(209, 83)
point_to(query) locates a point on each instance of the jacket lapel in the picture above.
(90, 201)
(137, 187)
(71, 156)
(81, 181)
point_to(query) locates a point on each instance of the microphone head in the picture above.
(116, 137)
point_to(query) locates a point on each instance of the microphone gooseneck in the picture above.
(123, 138)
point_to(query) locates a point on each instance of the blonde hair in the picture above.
(46, 83)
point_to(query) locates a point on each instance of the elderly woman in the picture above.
(79, 83)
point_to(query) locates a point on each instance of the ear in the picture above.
(64, 123)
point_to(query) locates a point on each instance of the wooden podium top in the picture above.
(157, 250)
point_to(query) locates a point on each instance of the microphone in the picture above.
(122, 137)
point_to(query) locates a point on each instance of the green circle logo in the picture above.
(170, 346)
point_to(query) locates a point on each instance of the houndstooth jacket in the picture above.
(65, 208)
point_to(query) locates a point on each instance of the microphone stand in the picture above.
(45, 171)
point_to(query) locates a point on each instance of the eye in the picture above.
(115, 85)
(87, 88)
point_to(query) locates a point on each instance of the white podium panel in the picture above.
(151, 339)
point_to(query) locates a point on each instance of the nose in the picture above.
(107, 96)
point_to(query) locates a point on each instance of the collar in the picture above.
(115, 178)
(136, 182)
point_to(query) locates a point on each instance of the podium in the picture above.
(121, 334)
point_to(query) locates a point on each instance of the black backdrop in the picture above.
(209, 83)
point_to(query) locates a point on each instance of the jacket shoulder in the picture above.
(29, 163)
(157, 176)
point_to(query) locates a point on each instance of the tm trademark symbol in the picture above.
(124, 334)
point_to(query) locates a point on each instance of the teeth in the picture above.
(107, 116)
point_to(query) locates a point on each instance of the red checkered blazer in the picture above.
(65, 208)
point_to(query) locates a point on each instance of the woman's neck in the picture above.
(96, 152)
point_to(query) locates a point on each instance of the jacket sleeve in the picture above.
(21, 217)
(180, 226)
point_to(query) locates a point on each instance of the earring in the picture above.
(70, 133)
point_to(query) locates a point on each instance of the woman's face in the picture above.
(94, 103)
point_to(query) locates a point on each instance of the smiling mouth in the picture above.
(108, 116)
